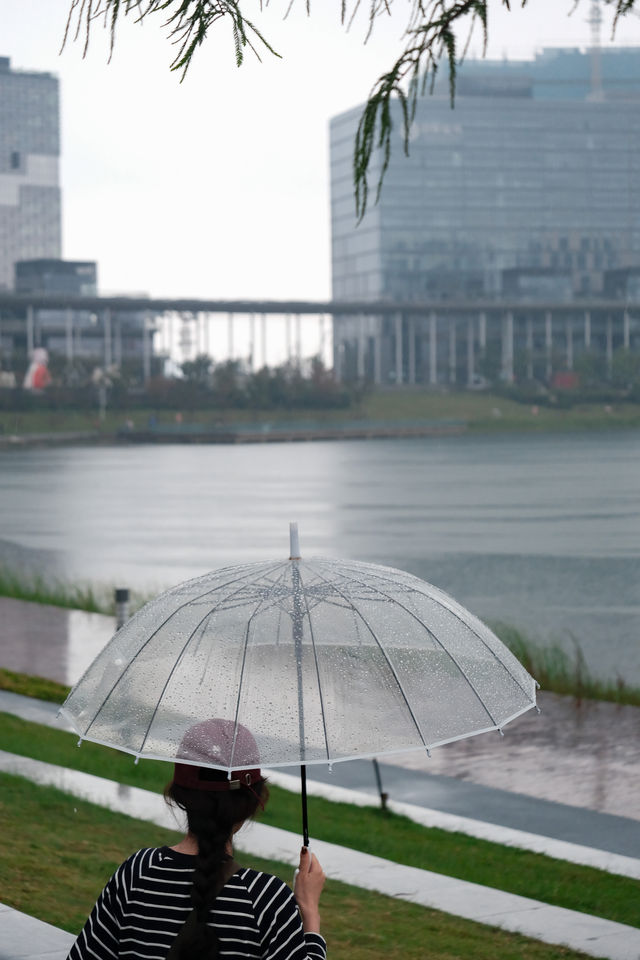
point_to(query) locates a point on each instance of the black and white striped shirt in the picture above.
(146, 901)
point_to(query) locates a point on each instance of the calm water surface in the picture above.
(541, 532)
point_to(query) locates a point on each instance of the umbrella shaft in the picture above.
(303, 793)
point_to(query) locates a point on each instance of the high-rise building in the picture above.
(30, 199)
(528, 189)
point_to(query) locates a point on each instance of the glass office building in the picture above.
(528, 189)
(30, 199)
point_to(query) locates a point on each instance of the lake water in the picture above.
(539, 531)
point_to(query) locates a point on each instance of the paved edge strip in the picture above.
(506, 836)
(555, 925)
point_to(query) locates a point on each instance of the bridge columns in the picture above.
(529, 340)
(548, 343)
(507, 347)
(68, 334)
(433, 350)
(569, 336)
(398, 352)
(106, 321)
(470, 352)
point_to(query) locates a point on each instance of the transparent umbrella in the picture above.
(322, 660)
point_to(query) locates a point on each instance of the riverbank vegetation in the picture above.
(368, 829)
(64, 849)
(480, 412)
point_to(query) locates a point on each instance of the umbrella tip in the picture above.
(294, 542)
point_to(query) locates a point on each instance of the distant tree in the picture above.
(198, 371)
(431, 36)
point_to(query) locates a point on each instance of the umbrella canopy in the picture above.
(322, 660)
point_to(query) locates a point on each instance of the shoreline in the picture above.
(293, 433)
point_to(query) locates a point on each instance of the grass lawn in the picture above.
(484, 413)
(62, 851)
(368, 829)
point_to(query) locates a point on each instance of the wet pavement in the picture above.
(50, 642)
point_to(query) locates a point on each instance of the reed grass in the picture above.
(38, 588)
(563, 672)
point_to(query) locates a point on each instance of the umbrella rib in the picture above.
(261, 601)
(468, 626)
(157, 630)
(315, 657)
(439, 642)
(386, 657)
(176, 664)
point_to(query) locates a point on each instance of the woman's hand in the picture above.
(307, 888)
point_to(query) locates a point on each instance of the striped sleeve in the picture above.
(280, 923)
(98, 939)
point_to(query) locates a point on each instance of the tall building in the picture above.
(529, 189)
(30, 200)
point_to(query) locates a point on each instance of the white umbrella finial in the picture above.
(294, 542)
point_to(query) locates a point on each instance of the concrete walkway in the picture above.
(591, 935)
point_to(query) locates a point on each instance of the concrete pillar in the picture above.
(507, 348)
(548, 343)
(587, 330)
(106, 324)
(263, 337)
(482, 332)
(377, 353)
(453, 359)
(146, 347)
(471, 370)
(252, 341)
(412, 349)
(30, 339)
(529, 336)
(287, 333)
(625, 330)
(433, 349)
(68, 329)
(298, 330)
(609, 345)
(230, 333)
(206, 333)
(360, 354)
(321, 336)
(569, 335)
(399, 357)
(117, 346)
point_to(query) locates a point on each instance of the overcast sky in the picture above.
(219, 187)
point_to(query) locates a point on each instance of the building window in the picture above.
(15, 160)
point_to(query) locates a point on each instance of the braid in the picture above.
(211, 818)
(212, 837)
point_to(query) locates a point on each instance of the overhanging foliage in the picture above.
(432, 35)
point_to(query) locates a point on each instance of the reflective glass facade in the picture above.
(532, 183)
(30, 200)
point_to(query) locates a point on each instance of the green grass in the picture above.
(62, 851)
(368, 829)
(39, 687)
(563, 673)
(484, 413)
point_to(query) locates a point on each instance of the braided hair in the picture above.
(211, 817)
